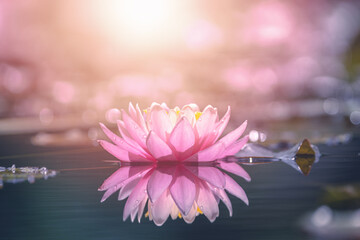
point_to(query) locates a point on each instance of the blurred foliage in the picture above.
(352, 59)
(342, 197)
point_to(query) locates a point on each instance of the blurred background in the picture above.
(72, 64)
(292, 68)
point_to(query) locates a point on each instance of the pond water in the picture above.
(68, 206)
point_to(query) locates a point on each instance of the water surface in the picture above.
(68, 205)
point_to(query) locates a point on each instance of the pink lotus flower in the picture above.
(170, 161)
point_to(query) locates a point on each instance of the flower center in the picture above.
(197, 115)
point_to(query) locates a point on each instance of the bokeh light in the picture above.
(269, 60)
(322, 216)
(112, 115)
(46, 116)
(355, 117)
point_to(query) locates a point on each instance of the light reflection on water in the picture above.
(68, 206)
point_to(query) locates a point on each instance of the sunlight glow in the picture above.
(144, 17)
(141, 23)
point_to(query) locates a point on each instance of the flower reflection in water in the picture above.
(169, 163)
(179, 190)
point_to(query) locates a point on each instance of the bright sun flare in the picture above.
(145, 16)
(140, 23)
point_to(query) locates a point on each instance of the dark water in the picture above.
(68, 205)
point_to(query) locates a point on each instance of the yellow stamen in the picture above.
(145, 111)
(198, 210)
(147, 214)
(197, 115)
(177, 111)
